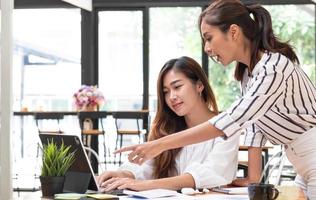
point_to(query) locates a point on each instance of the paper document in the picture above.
(150, 194)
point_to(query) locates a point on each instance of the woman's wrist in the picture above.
(125, 174)
(165, 143)
(151, 184)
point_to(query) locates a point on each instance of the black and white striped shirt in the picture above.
(278, 102)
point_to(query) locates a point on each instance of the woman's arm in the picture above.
(172, 183)
(142, 152)
(254, 167)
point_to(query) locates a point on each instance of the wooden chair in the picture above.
(43, 119)
(96, 119)
(91, 125)
(128, 123)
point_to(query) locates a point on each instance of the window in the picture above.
(297, 26)
(46, 73)
(173, 33)
(121, 59)
(46, 65)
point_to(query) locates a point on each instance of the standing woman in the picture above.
(278, 99)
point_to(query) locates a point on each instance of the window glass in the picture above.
(297, 26)
(222, 80)
(46, 73)
(46, 64)
(121, 59)
(173, 33)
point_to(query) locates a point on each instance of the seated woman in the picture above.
(185, 99)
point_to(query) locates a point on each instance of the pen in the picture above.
(220, 190)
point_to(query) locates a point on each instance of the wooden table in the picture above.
(290, 193)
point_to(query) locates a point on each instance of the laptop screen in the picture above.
(79, 178)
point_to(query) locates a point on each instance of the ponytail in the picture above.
(263, 40)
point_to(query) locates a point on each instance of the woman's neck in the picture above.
(244, 55)
(198, 116)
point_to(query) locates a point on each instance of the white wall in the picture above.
(6, 99)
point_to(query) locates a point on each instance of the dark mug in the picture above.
(260, 191)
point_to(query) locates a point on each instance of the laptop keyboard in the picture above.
(118, 192)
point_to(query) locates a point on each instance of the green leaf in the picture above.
(56, 159)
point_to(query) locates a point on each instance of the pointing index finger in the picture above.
(124, 149)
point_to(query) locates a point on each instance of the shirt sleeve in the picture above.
(266, 84)
(142, 172)
(219, 167)
(254, 137)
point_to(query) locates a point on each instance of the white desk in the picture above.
(286, 193)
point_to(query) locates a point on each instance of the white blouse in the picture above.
(211, 163)
(278, 101)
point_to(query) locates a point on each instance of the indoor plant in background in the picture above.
(56, 160)
(88, 98)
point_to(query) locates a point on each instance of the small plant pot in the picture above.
(51, 185)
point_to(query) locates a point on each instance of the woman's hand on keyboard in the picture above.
(126, 183)
(113, 174)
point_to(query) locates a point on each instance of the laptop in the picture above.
(79, 177)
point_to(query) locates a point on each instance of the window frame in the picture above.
(89, 29)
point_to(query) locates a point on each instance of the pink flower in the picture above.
(88, 96)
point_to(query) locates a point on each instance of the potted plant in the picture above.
(56, 161)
